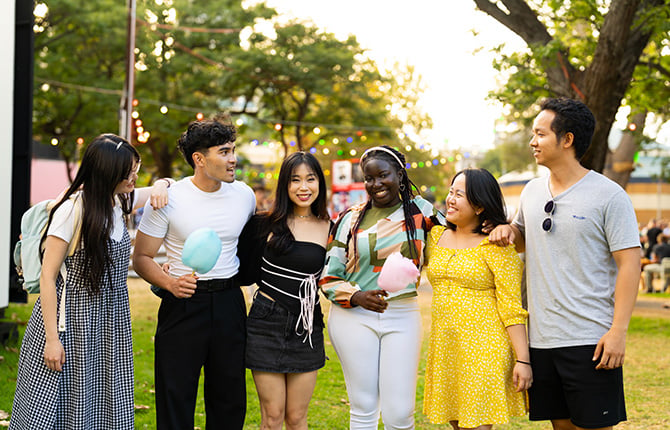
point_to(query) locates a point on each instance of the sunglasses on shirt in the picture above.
(549, 209)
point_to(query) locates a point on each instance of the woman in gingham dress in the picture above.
(80, 376)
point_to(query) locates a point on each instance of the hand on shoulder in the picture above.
(502, 235)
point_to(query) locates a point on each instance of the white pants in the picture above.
(379, 354)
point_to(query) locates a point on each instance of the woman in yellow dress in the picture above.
(478, 361)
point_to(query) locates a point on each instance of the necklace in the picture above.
(304, 216)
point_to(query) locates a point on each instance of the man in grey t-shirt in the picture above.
(580, 237)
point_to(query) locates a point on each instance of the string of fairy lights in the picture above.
(327, 147)
(321, 143)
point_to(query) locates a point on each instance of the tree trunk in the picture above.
(604, 83)
(163, 158)
(619, 164)
(298, 136)
(68, 167)
(609, 75)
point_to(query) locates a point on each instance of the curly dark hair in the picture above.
(204, 134)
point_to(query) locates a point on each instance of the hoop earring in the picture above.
(401, 187)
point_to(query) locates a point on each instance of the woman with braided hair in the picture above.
(376, 334)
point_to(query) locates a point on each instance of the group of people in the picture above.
(654, 238)
(651, 233)
(577, 230)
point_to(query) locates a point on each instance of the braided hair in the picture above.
(407, 187)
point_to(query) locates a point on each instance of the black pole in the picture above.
(23, 128)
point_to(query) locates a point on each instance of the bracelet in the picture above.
(523, 362)
(164, 179)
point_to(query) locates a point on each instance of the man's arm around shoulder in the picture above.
(506, 234)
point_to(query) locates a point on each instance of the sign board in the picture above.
(348, 187)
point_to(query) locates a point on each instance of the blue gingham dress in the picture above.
(95, 389)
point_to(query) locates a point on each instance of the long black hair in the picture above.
(483, 191)
(407, 188)
(282, 209)
(107, 161)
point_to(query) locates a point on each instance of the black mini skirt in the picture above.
(273, 345)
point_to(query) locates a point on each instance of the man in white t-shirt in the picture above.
(201, 320)
(582, 269)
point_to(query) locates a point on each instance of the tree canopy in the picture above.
(606, 53)
(195, 59)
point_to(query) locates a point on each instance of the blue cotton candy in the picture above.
(201, 250)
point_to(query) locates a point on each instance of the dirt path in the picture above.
(658, 307)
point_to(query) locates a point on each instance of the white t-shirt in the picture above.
(62, 224)
(189, 208)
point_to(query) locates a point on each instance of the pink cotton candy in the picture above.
(397, 273)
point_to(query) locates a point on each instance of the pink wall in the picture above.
(48, 179)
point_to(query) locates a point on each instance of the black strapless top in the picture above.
(291, 278)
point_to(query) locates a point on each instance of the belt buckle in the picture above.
(213, 285)
(206, 285)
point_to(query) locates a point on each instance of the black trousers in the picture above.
(208, 329)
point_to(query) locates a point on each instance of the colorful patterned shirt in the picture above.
(344, 275)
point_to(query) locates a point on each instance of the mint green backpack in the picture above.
(27, 250)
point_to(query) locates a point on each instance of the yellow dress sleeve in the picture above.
(433, 236)
(507, 269)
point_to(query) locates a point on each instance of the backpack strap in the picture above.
(74, 244)
(61, 303)
(76, 233)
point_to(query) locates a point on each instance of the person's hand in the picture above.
(54, 355)
(166, 268)
(372, 300)
(502, 235)
(522, 376)
(159, 194)
(611, 349)
(183, 287)
(487, 227)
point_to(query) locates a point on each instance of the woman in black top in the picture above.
(283, 252)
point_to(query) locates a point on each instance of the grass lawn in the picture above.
(647, 370)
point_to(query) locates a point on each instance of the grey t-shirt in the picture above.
(570, 271)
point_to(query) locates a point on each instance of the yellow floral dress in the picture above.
(476, 294)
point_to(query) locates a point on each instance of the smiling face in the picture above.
(459, 210)
(545, 145)
(303, 189)
(382, 182)
(128, 184)
(218, 162)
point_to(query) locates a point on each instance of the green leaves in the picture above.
(609, 53)
(203, 57)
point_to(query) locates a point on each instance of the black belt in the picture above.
(212, 285)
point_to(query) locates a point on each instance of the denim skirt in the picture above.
(272, 342)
